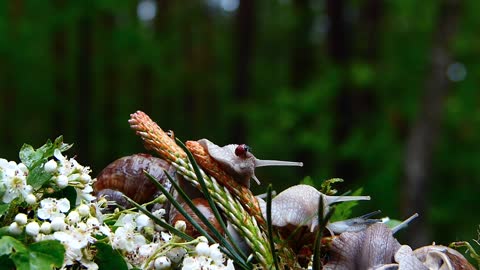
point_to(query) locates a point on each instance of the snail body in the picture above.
(125, 176)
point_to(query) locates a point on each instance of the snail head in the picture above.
(239, 162)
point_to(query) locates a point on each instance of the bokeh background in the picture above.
(382, 93)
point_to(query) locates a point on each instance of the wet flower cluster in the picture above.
(63, 208)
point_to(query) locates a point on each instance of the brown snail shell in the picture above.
(204, 207)
(126, 176)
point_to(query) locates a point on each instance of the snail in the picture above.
(237, 161)
(298, 206)
(294, 213)
(376, 248)
(125, 176)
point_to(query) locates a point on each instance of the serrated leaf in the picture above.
(29, 156)
(326, 186)
(33, 158)
(60, 145)
(108, 258)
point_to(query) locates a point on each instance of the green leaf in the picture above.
(326, 186)
(344, 210)
(109, 258)
(6, 262)
(52, 251)
(29, 156)
(307, 180)
(33, 158)
(4, 208)
(9, 245)
(37, 177)
(42, 255)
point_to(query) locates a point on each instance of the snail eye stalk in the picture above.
(242, 150)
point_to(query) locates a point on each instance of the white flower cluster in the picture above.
(75, 230)
(67, 172)
(130, 238)
(207, 257)
(143, 243)
(13, 182)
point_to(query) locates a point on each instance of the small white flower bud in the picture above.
(46, 227)
(143, 221)
(83, 210)
(85, 178)
(21, 219)
(92, 221)
(162, 263)
(73, 217)
(161, 199)
(32, 228)
(180, 225)
(61, 181)
(58, 224)
(82, 226)
(50, 166)
(202, 239)
(14, 228)
(202, 249)
(31, 199)
(215, 254)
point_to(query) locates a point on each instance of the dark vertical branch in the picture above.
(339, 49)
(109, 110)
(338, 32)
(425, 130)
(15, 13)
(242, 82)
(160, 21)
(59, 52)
(302, 55)
(302, 63)
(84, 84)
(371, 24)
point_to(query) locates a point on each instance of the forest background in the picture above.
(381, 93)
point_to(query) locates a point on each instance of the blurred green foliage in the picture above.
(79, 68)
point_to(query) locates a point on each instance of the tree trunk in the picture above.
(85, 85)
(59, 53)
(242, 82)
(339, 38)
(425, 130)
(15, 13)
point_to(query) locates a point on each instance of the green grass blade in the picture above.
(217, 234)
(190, 219)
(269, 225)
(322, 224)
(209, 198)
(180, 208)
